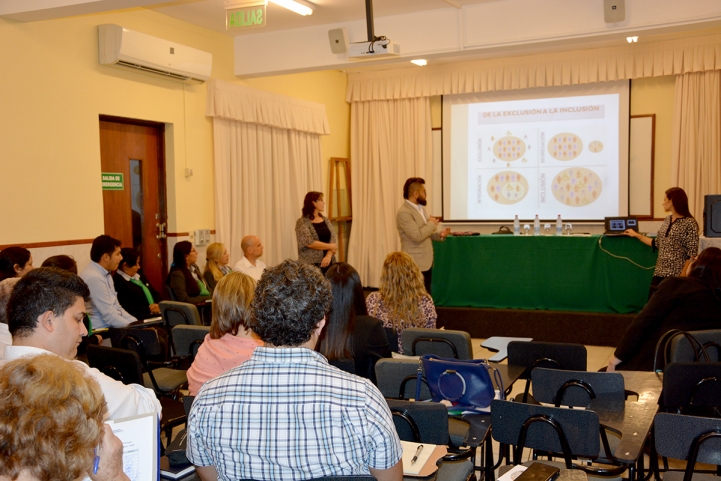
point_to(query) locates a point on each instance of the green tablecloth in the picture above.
(566, 273)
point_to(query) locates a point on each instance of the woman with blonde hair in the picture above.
(216, 264)
(230, 342)
(402, 300)
(51, 423)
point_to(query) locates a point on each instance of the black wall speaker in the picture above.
(712, 216)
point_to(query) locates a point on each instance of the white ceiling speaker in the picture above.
(614, 11)
(338, 38)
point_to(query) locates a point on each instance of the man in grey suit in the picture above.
(416, 228)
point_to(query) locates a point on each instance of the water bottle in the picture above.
(559, 225)
(537, 226)
(516, 226)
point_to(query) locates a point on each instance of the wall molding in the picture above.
(37, 245)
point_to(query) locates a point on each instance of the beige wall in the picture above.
(655, 96)
(52, 90)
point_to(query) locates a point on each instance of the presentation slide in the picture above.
(562, 153)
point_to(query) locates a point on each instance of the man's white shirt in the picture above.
(254, 271)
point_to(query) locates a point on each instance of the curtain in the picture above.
(654, 59)
(267, 157)
(696, 140)
(390, 141)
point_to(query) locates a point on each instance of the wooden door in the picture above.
(136, 215)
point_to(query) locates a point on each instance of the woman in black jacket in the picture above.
(690, 303)
(185, 280)
(350, 333)
(135, 293)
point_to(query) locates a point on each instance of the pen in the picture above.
(415, 456)
(96, 460)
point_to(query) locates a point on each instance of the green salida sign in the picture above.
(112, 181)
(245, 17)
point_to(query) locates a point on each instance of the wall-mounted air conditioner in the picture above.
(120, 47)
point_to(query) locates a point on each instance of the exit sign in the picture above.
(246, 17)
(112, 181)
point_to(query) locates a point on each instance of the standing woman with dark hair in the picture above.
(15, 262)
(317, 241)
(184, 278)
(676, 240)
(350, 333)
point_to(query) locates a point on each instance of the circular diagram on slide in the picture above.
(508, 187)
(595, 146)
(577, 187)
(565, 146)
(509, 148)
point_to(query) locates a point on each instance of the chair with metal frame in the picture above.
(570, 433)
(444, 343)
(397, 377)
(692, 388)
(554, 355)
(680, 349)
(187, 340)
(125, 366)
(427, 422)
(691, 438)
(578, 389)
(160, 376)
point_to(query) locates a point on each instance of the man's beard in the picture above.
(422, 200)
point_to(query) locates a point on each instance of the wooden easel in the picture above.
(335, 193)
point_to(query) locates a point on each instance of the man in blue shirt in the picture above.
(286, 413)
(104, 309)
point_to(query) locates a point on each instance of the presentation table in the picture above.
(565, 273)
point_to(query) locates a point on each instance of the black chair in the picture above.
(694, 439)
(553, 355)
(579, 389)
(570, 433)
(692, 388)
(160, 376)
(428, 422)
(187, 339)
(680, 349)
(396, 379)
(392, 336)
(125, 366)
(345, 364)
(443, 343)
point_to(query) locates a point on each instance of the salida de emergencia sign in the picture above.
(112, 181)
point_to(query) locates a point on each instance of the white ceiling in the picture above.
(210, 14)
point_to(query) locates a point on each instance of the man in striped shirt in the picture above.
(286, 413)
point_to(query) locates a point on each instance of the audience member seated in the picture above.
(103, 308)
(250, 263)
(45, 315)
(289, 413)
(6, 289)
(184, 278)
(350, 333)
(135, 293)
(15, 262)
(216, 264)
(51, 424)
(67, 263)
(402, 300)
(690, 303)
(230, 341)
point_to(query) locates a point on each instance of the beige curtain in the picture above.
(267, 156)
(696, 141)
(390, 141)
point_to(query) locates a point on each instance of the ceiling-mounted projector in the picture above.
(373, 50)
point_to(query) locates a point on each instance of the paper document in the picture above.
(139, 435)
(409, 450)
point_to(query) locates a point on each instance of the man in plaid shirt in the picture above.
(286, 413)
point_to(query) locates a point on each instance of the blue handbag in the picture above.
(467, 385)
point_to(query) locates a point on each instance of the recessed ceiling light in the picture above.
(421, 62)
(632, 39)
(300, 7)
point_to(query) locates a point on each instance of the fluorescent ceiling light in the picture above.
(631, 39)
(298, 6)
(421, 62)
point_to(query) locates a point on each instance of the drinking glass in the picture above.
(526, 229)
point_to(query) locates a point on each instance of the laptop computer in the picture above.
(616, 226)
